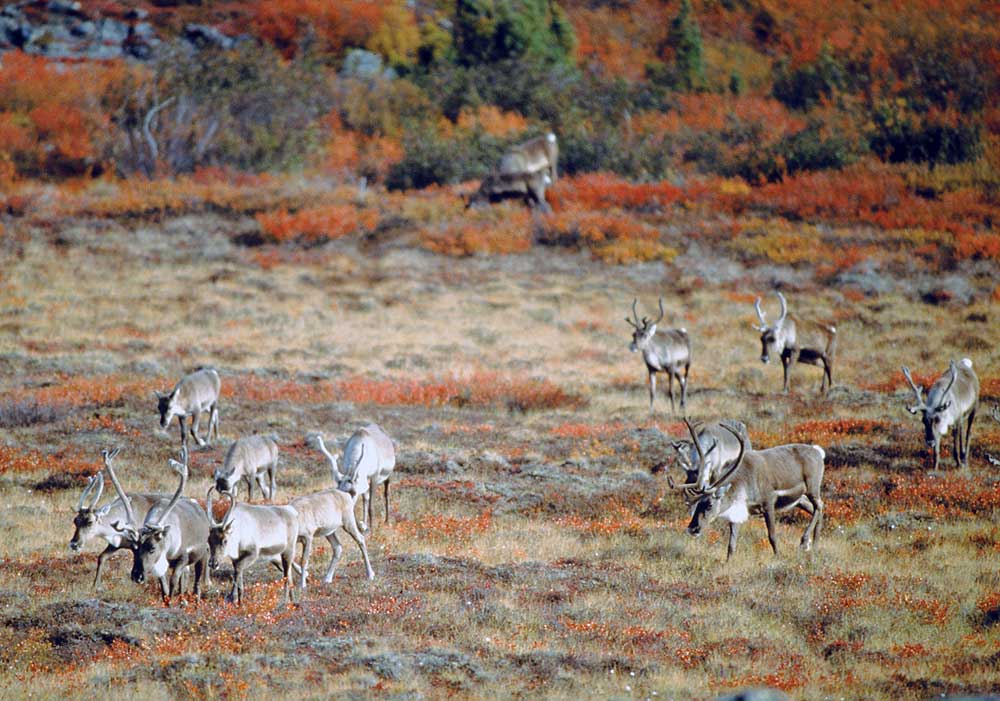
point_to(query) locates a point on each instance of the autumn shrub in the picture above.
(608, 191)
(317, 224)
(333, 27)
(55, 118)
(511, 232)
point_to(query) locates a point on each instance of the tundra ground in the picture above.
(534, 549)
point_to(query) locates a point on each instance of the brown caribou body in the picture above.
(762, 482)
(782, 340)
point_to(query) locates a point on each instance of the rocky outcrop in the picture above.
(62, 29)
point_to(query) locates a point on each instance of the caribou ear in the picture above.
(944, 406)
(103, 511)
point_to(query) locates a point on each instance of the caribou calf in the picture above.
(91, 522)
(321, 515)
(782, 340)
(249, 458)
(248, 533)
(194, 394)
(173, 537)
(951, 400)
(762, 482)
(670, 352)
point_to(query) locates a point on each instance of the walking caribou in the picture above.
(781, 339)
(951, 401)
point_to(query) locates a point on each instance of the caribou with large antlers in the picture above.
(711, 452)
(91, 522)
(250, 532)
(761, 482)
(781, 339)
(668, 352)
(173, 537)
(951, 400)
(369, 459)
(192, 396)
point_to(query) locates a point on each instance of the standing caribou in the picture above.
(781, 340)
(369, 459)
(173, 537)
(759, 482)
(951, 400)
(248, 533)
(194, 394)
(91, 522)
(537, 155)
(670, 352)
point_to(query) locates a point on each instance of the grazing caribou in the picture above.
(194, 394)
(951, 401)
(760, 482)
(248, 459)
(668, 352)
(173, 537)
(781, 339)
(91, 522)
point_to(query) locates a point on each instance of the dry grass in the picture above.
(535, 549)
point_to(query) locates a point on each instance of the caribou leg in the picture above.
(769, 522)
(684, 385)
(100, 563)
(968, 438)
(652, 389)
(734, 531)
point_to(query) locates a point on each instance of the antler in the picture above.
(784, 309)
(954, 376)
(126, 502)
(760, 315)
(661, 312)
(916, 390)
(232, 505)
(92, 482)
(208, 507)
(337, 477)
(181, 469)
(633, 324)
(739, 460)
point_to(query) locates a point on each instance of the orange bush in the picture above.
(510, 233)
(449, 529)
(15, 460)
(335, 26)
(491, 120)
(317, 223)
(605, 191)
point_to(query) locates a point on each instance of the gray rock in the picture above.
(111, 31)
(203, 36)
(361, 64)
(63, 7)
(756, 695)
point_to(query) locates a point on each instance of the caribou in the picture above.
(718, 448)
(193, 395)
(91, 522)
(248, 533)
(249, 458)
(527, 187)
(321, 515)
(173, 538)
(951, 400)
(781, 340)
(760, 482)
(537, 155)
(369, 459)
(670, 352)
(995, 415)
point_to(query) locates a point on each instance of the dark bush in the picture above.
(28, 412)
(901, 135)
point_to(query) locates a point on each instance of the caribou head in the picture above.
(934, 411)
(642, 335)
(88, 517)
(153, 540)
(706, 502)
(773, 339)
(219, 532)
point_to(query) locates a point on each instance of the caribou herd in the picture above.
(725, 477)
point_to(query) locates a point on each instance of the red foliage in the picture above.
(334, 25)
(317, 223)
